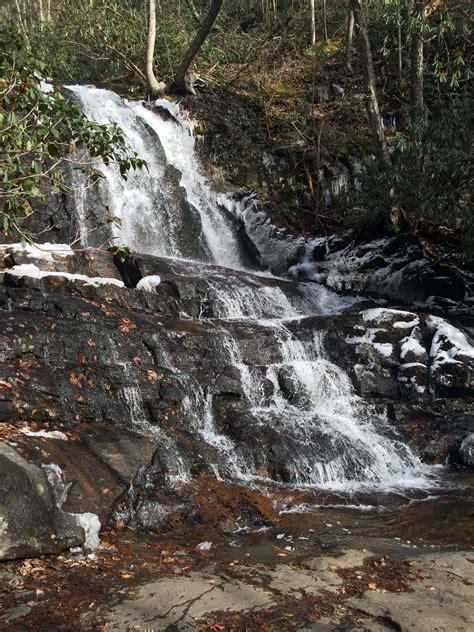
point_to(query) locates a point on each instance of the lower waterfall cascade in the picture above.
(301, 407)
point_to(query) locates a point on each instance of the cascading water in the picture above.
(302, 408)
(156, 218)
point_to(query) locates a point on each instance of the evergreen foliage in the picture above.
(41, 132)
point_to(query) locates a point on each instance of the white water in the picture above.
(146, 202)
(330, 438)
(342, 443)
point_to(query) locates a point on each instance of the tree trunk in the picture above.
(349, 37)
(21, 14)
(153, 87)
(400, 48)
(325, 22)
(373, 112)
(41, 14)
(417, 62)
(179, 83)
(313, 22)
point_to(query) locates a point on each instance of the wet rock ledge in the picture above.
(106, 367)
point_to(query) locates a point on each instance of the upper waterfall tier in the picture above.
(167, 209)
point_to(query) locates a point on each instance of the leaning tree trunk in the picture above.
(179, 83)
(373, 112)
(153, 87)
(417, 63)
(349, 38)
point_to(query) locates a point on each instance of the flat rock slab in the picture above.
(441, 602)
(178, 601)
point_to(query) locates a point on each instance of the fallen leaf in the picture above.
(372, 586)
(76, 379)
(126, 325)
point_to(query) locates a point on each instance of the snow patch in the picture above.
(383, 348)
(411, 345)
(32, 271)
(91, 524)
(46, 251)
(381, 314)
(449, 344)
(47, 434)
(149, 283)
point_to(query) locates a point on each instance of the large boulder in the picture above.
(452, 360)
(30, 522)
(466, 451)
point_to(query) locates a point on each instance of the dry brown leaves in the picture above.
(126, 325)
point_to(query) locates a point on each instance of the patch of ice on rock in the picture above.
(47, 434)
(32, 271)
(91, 524)
(149, 283)
(41, 251)
(204, 546)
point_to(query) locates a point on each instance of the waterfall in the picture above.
(309, 427)
(168, 208)
(329, 437)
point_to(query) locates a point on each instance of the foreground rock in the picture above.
(419, 594)
(30, 521)
(161, 585)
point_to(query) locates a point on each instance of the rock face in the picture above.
(30, 521)
(109, 394)
(395, 269)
